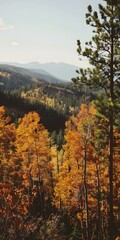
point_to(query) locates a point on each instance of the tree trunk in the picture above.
(86, 193)
(98, 234)
(111, 223)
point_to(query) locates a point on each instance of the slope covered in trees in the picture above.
(67, 188)
(16, 107)
(21, 93)
(65, 191)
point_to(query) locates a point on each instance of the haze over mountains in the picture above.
(61, 71)
(31, 74)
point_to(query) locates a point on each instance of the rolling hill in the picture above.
(23, 90)
(15, 77)
(61, 71)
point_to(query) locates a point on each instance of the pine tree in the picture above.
(103, 53)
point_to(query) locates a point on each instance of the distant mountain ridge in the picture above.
(63, 71)
(39, 74)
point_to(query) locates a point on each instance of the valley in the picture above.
(23, 90)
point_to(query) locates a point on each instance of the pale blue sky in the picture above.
(43, 30)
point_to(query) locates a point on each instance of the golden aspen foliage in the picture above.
(69, 187)
(33, 146)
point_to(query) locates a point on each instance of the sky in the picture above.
(43, 30)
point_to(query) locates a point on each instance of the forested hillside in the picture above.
(51, 192)
(21, 91)
(60, 144)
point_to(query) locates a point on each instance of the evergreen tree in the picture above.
(103, 53)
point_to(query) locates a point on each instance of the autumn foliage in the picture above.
(25, 171)
(60, 194)
(82, 185)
